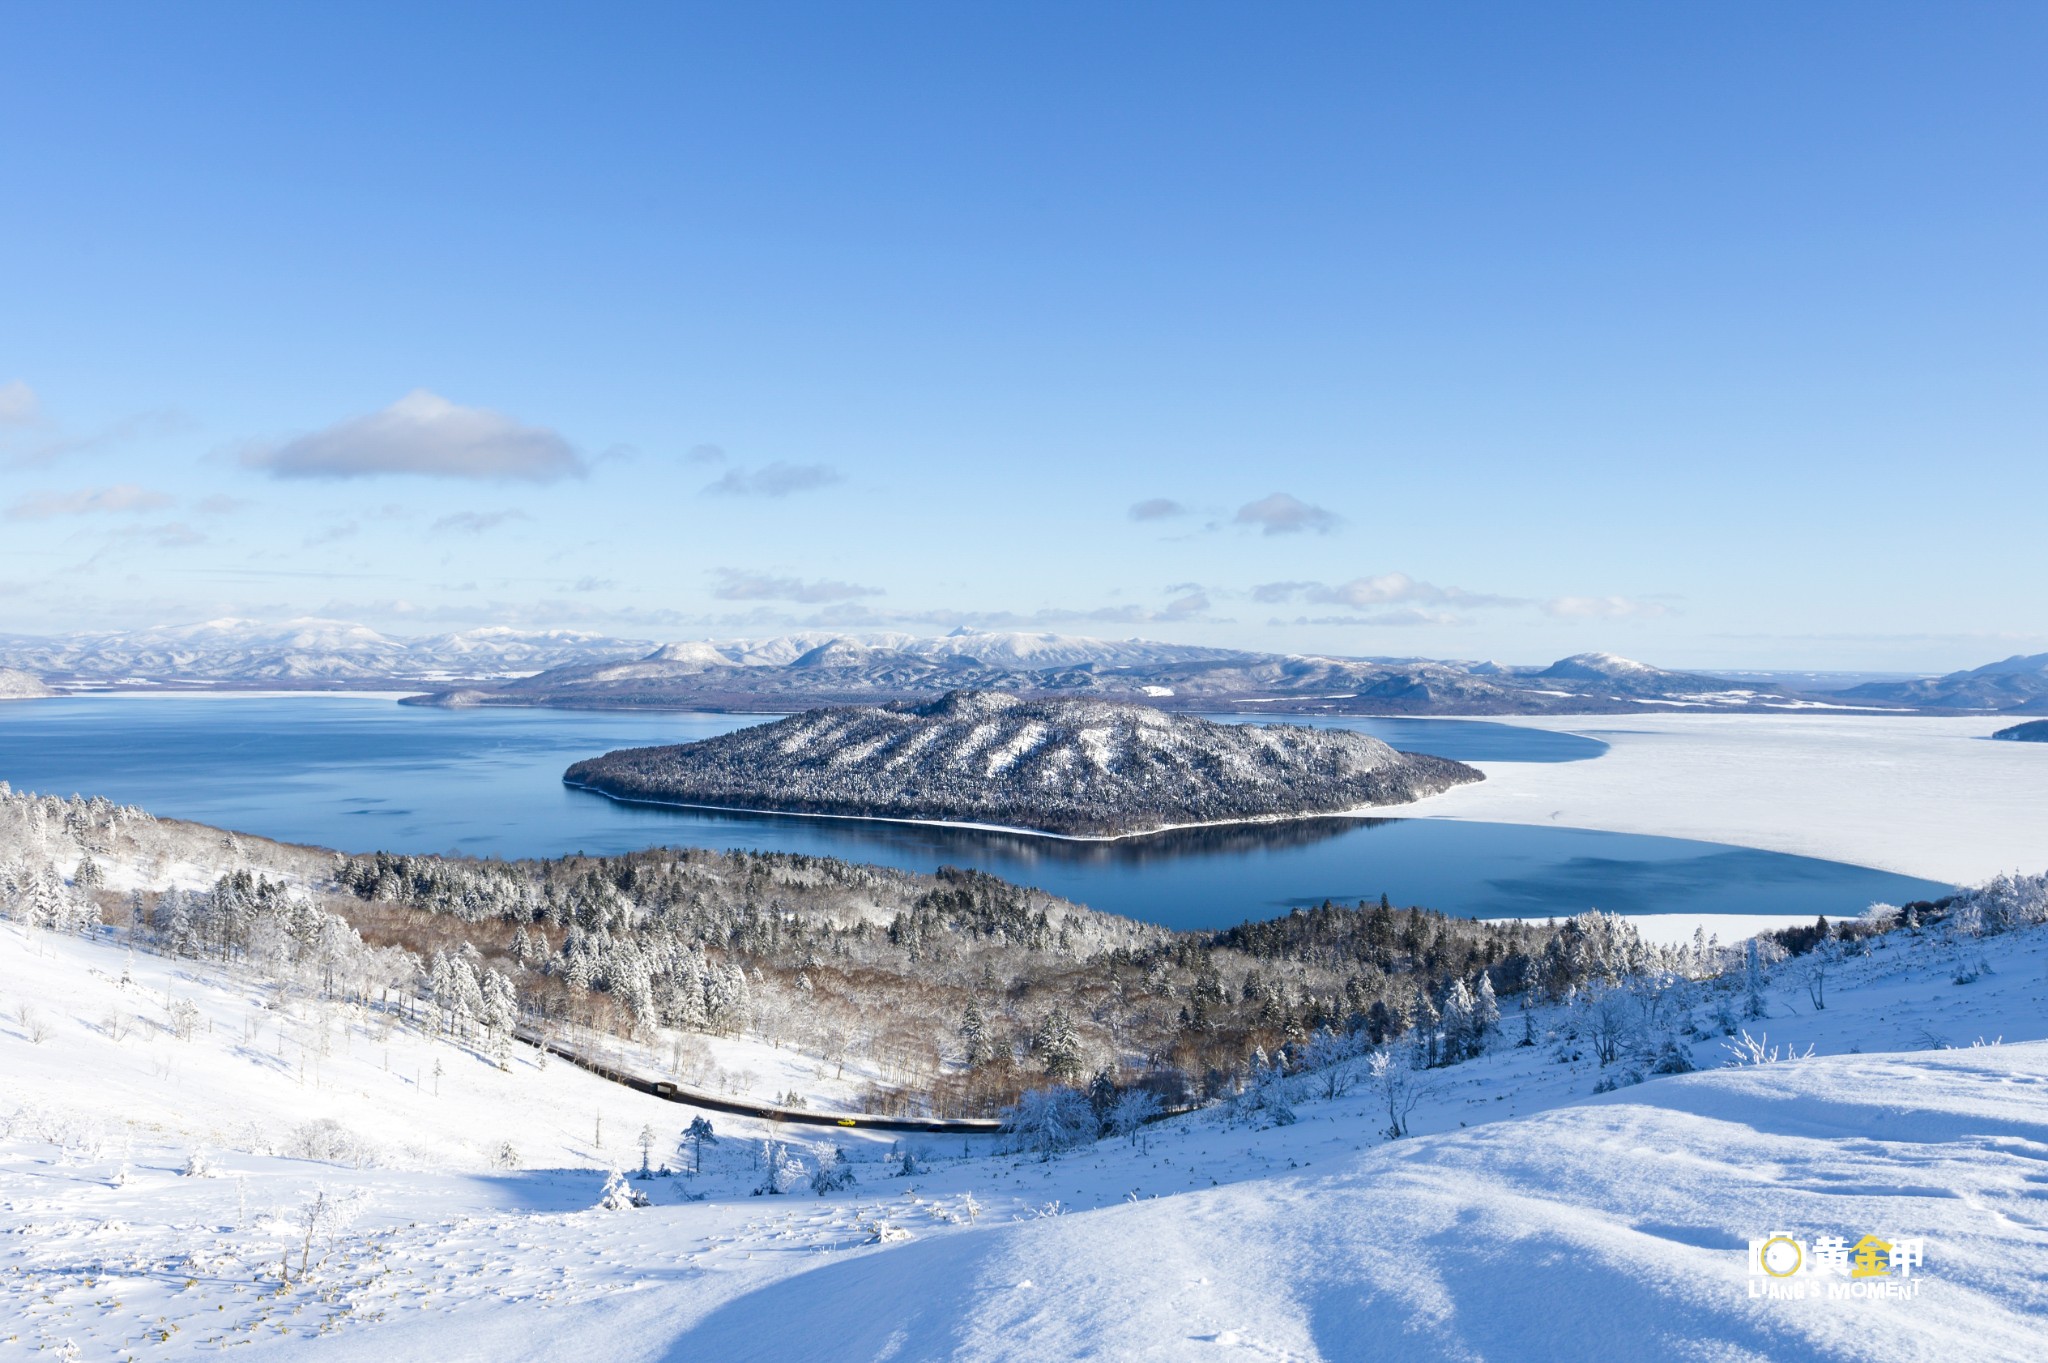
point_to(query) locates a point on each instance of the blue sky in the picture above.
(1712, 335)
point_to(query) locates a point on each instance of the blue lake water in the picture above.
(363, 774)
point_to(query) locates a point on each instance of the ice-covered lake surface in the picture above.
(361, 773)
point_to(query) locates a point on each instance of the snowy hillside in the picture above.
(2017, 684)
(190, 1159)
(18, 685)
(1073, 767)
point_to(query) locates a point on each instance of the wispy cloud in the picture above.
(476, 522)
(704, 454)
(1282, 514)
(737, 585)
(1406, 617)
(423, 433)
(86, 502)
(774, 480)
(333, 534)
(1604, 608)
(1156, 509)
(30, 439)
(1381, 589)
(175, 535)
(220, 504)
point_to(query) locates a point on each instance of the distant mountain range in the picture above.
(1075, 767)
(305, 652)
(799, 672)
(2019, 683)
(791, 672)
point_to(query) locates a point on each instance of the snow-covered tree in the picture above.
(619, 1195)
(1130, 1111)
(1045, 1121)
(834, 1173)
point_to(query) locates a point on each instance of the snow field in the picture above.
(1918, 796)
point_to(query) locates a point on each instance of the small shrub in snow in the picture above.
(326, 1139)
(183, 1018)
(198, 1164)
(319, 1222)
(619, 1195)
(1755, 1050)
(506, 1156)
(1672, 1058)
(1266, 1101)
(1397, 1086)
(910, 1163)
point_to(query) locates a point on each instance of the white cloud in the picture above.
(774, 480)
(736, 585)
(1156, 509)
(18, 404)
(1405, 617)
(1381, 589)
(87, 501)
(423, 433)
(1603, 608)
(1281, 514)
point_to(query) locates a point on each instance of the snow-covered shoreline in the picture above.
(1362, 812)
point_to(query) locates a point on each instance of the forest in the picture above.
(957, 993)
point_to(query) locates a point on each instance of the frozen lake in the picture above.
(361, 773)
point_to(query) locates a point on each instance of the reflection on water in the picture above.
(363, 774)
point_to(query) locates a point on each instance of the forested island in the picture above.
(1075, 768)
(2033, 731)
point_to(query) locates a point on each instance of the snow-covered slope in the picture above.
(1074, 767)
(1530, 1219)
(19, 685)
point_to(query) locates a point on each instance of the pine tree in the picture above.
(1057, 1047)
(974, 1034)
(698, 1135)
(1485, 1012)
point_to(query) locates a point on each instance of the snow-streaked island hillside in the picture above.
(299, 1146)
(1087, 768)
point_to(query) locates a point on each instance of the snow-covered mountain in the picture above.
(503, 666)
(300, 651)
(805, 670)
(1074, 767)
(2018, 683)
